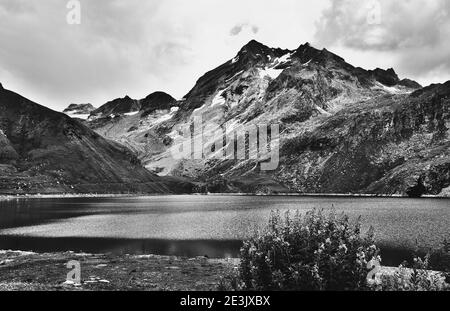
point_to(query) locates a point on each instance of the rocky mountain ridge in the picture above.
(44, 151)
(343, 129)
(79, 111)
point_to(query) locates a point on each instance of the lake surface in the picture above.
(203, 225)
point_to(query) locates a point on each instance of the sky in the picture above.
(130, 47)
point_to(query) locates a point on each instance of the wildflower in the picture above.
(343, 247)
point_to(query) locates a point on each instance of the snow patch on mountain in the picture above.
(131, 113)
(199, 109)
(392, 89)
(161, 116)
(232, 78)
(78, 115)
(270, 72)
(283, 59)
(218, 100)
(322, 111)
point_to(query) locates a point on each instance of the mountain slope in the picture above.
(343, 129)
(115, 107)
(43, 151)
(388, 145)
(139, 130)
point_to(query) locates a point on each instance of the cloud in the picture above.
(120, 47)
(237, 29)
(135, 47)
(413, 33)
(132, 47)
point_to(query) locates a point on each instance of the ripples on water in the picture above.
(202, 225)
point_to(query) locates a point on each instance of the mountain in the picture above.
(343, 129)
(387, 145)
(79, 111)
(118, 106)
(157, 101)
(43, 151)
(135, 130)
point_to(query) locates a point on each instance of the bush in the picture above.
(440, 259)
(313, 252)
(418, 277)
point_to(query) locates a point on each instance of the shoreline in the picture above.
(118, 195)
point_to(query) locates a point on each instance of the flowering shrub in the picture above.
(313, 252)
(431, 273)
(417, 278)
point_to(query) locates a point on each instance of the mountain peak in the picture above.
(157, 101)
(254, 47)
(307, 52)
(157, 93)
(254, 43)
(387, 77)
(79, 109)
(117, 106)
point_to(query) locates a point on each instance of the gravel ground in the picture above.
(30, 271)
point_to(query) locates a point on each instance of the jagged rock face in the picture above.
(116, 107)
(296, 89)
(43, 151)
(386, 77)
(79, 111)
(410, 84)
(343, 129)
(385, 145)
(140, 130)
(79, 108)
(250, 56)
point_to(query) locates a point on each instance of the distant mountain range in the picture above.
(343, 129)
(43, 151)
(79, 111)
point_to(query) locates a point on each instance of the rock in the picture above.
(445, 192)
(387, 77)
(69, 283)
(79, 111)
(101, 265)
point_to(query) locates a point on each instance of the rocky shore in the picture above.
(105, 272)
(32, 271)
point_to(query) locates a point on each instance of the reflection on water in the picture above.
(201, 225)
(194, 248)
